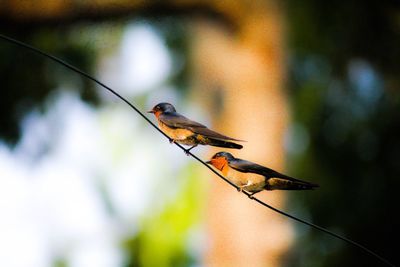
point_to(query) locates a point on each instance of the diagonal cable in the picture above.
(73, 68)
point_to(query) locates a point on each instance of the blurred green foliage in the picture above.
(163, 238)
(28, 78)
(165, 234)
(344, 88)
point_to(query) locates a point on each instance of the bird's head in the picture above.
(220, 159)
(161, 108)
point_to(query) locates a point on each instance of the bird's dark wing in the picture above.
(212, 134)
(176, 120)
(248, 166)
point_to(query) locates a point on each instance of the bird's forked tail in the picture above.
(285, 184)
(222, 143)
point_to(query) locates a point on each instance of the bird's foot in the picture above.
(188, 150)
(251, 195)
(171, 141)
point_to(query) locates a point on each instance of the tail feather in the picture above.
(222, 143)
(284, 184)
(213, 135)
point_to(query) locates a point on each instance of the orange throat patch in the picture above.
(221, 164)
(157, 114)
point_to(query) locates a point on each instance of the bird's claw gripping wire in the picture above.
(187, 151)
(251, 195)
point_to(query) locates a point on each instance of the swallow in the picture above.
(187, 132)
(254, 178)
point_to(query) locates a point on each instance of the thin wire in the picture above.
(71, 67)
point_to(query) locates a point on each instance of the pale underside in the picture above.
(250, 182)
(253, 182)
(179, 135)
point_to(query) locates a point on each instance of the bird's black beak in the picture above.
(208, 162)
(150, 111)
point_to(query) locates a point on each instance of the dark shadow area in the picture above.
(344, 88)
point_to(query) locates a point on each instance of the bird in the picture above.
(254, 178)
(187, 132)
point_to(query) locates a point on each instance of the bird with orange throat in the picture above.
(254, 178)
(187, 132)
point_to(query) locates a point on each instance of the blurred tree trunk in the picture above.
(240, 76)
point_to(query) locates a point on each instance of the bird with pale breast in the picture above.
(187, 132)
(253, 177)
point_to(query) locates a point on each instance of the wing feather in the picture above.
(212, 134)
(248, 166)
(176, 120)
